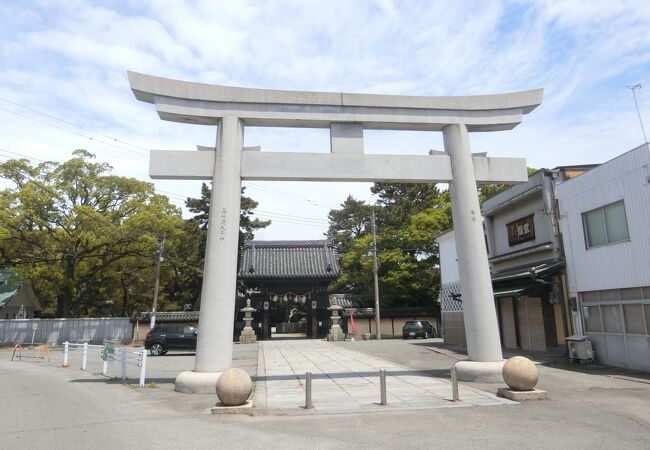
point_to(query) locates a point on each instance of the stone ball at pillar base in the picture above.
(234, 387)
(191, 382)
(520, 374)
(481, 371)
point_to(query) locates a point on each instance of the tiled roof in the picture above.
(405, 312)
(289, 259)
(344, 300)
(163, 317)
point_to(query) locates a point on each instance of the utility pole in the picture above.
(374, 255)
(155, 292)
(633, 89)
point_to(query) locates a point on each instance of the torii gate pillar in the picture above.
(214, 343)
(479, 312)
(346, 115)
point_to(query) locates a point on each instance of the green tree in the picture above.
(408, 218)
(82, 235)
(348, 223)
(247, 223)
(398, 201)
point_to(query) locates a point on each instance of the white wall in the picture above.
(517, 202)
(531, 205)
(448, 259)
(619, 265)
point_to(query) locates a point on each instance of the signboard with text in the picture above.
(521, 230)
(108, 351)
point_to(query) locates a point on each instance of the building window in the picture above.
(605, 225)
(611, 319)
(592, 319)
(634, 322)
(631, 294)
(591, 296)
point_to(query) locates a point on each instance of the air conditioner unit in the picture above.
(580, 349)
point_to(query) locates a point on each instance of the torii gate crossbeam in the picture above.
(346, 115)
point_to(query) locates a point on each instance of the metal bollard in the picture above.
(143, 368)
(84, 356)
(66, 349)
(123, 355)
(454, 384)
(382, 386)
(105, 366)
(308, 403)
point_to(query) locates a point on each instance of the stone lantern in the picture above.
(336, 333)
(247, 335)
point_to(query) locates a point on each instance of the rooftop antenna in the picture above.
(633, 89)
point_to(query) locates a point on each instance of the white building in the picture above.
(527, 262)
(605, 220)
(451, 309)
(526, 266)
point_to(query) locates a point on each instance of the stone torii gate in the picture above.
(230, 109)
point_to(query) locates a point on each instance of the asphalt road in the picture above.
(48, 407)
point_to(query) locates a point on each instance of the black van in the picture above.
(173, 336)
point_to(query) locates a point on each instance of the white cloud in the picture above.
(69, 59)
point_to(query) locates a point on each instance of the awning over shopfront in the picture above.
(525, 280)
(506, 292)
(533, 273)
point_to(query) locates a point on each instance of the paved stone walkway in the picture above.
(345, 380)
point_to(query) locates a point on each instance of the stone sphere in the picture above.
(520, 374)
(234, 386)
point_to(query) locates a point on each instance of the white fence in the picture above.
(95, 331)
(96, 353)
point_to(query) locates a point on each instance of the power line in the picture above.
(73, 132)
(72, 123)
(181, 197)
(290, 216)
(180, 201)
(307, 224)
(290, 196)
(21, 154)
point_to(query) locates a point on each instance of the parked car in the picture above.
(173, 336)
(418, 328)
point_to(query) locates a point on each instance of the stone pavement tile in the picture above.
(352, 383)
(344, 380)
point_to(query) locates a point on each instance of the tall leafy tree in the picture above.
(247, 223)
(349, 223)
(398, 201)
(408, 218)
(85, 237)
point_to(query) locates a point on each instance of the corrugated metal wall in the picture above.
(508, 323)
(620, 265)
(454, 327)
(93, 331)
(531, 319)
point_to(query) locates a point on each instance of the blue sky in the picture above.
(69, 59)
